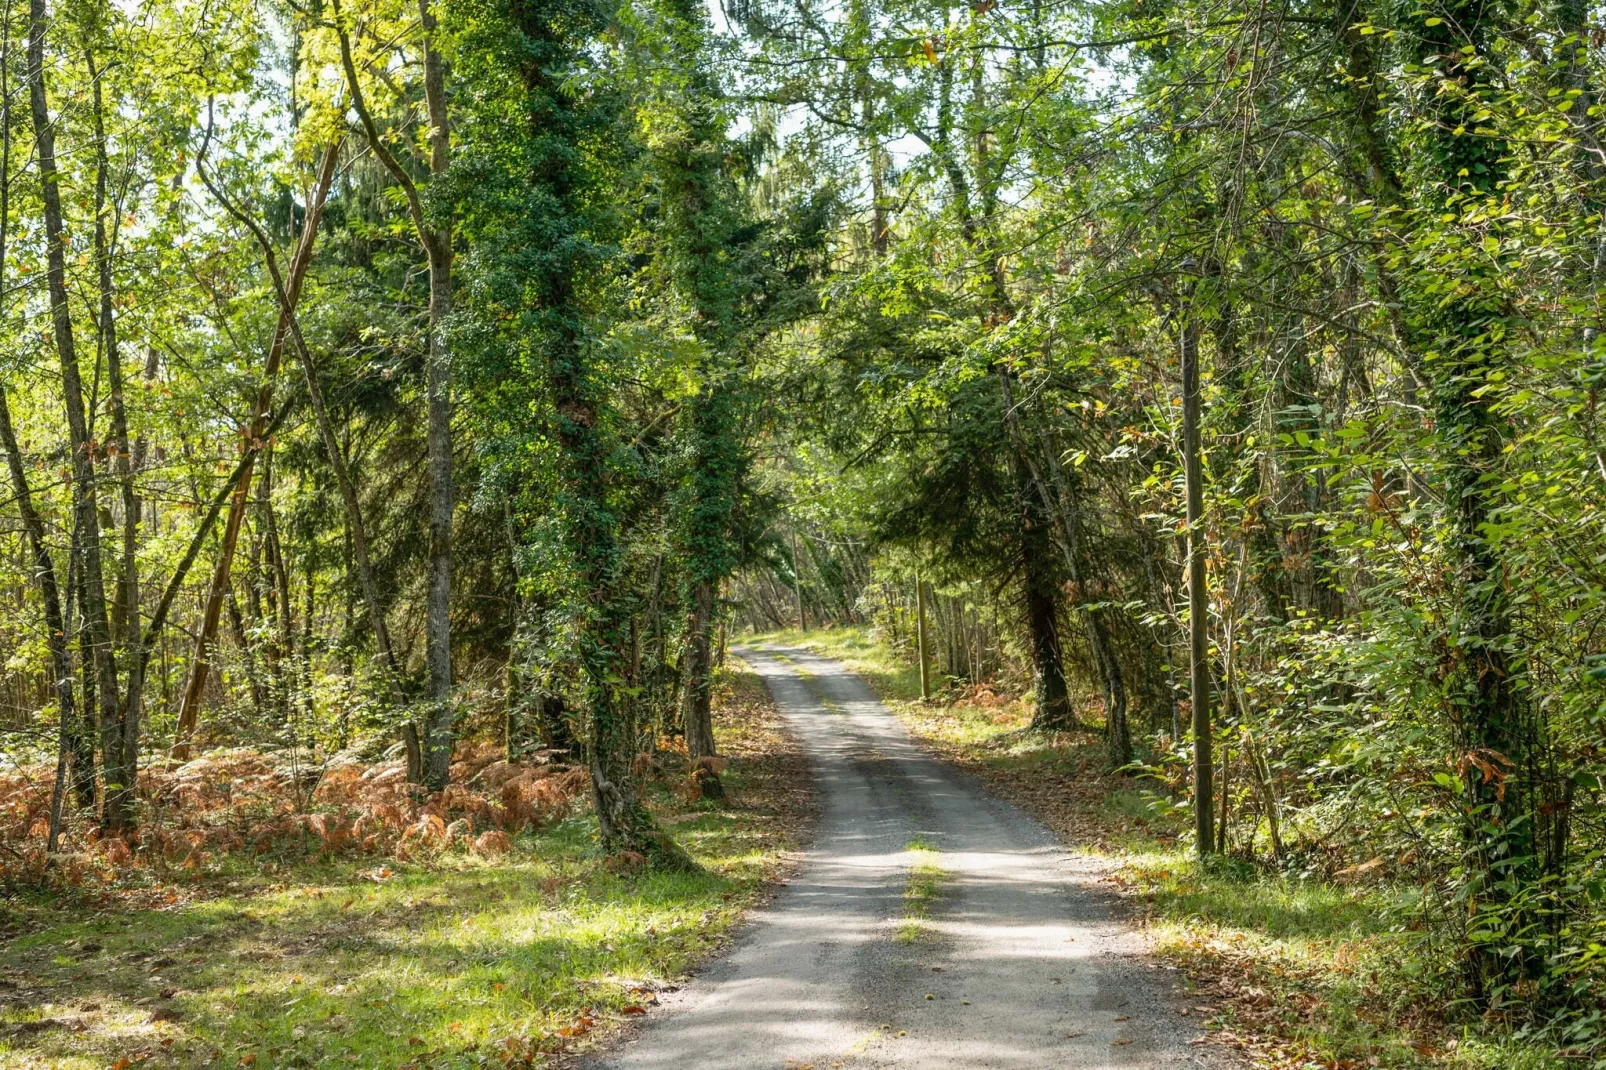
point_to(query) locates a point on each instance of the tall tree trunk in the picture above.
(308, 616)
(1064, 507)
(697, 711)
(83, 729)
(438, 724)
(1039, 587)
(1479, 664)
(797, 587)
(605, 634)
(717, 463)
(1198, 595)
(278, 591)
(1040, 590)
(701, 210)
(592, 534)
(436, 242)
(45, 574)
(124, 736)
(438, 612)
(590, 525)
(118, 786)
(922, 640)
(33, 525)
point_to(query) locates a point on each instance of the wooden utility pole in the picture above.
(1198, 607)
(920, 637)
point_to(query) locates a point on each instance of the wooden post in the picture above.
(1198, 601)
(921, 643)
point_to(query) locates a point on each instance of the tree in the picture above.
(531, 51)
(435, 238)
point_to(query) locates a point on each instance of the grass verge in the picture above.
(1291, 972)
(452, 962)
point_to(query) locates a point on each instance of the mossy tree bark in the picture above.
(699, 204)
(557, 188)
(1462, 315)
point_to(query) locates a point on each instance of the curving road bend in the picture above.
(1017, 964)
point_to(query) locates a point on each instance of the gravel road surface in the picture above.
(1018, 963)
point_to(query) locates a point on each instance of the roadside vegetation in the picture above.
(392, 389)
(445, 955)
(921, 890)
(1303, 965)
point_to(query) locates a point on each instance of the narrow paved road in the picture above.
(1019, 963)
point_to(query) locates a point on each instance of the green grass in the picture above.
(443, 962)
(1301, 972)
(854, 648)
(455, 963)
(921, 890)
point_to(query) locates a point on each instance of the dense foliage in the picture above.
(380, 377)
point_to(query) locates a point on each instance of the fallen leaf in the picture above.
(634, 1008)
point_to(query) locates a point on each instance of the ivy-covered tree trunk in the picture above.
(591, 532)
(1462, 316)
(589, 524)
(699, 206)
(697, 710)
(1040, 595)
(715, 473)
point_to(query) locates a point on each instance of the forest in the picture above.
(439, 440)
